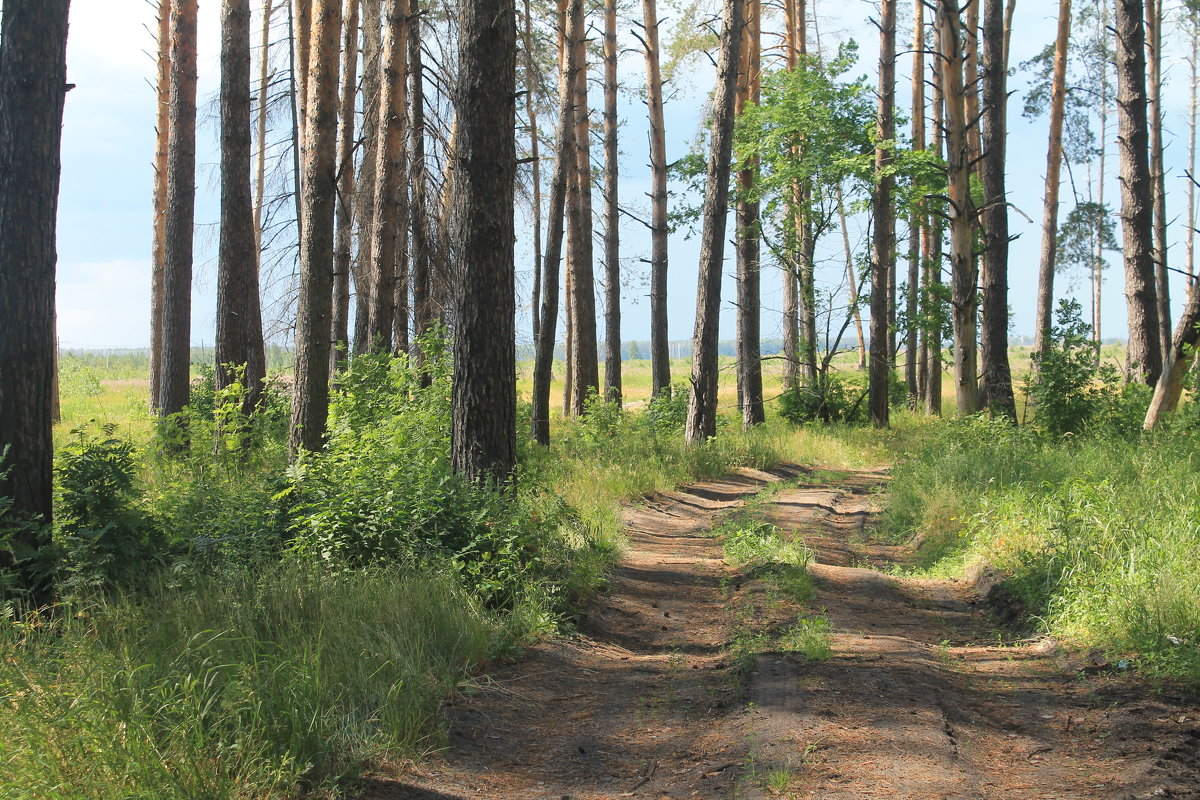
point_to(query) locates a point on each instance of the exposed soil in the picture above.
(922, 697)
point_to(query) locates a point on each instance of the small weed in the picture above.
(808, 637)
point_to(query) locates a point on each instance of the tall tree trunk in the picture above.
(400, 319)
(996, 385)
(916, 219)
(310, 389)
(1102, 20)
(585, 353)
(1145, 354)
(484, 403)
(852, 282)
(702, 403)
(174, 368)
(372, 47)
(1162, 289)
(303, 11)
(1193, 113)
(239, 316)
(883, 255)
(260, 161)
(531, 79)
(563, 165)
(33, 87)
(660, 357)
(749, 339)
(795, 45)
(387, 229)
(1169, 388)
(932, 245)
(612, 213)
(162, 130)
(422, 235)
(1058, 94)
(964, 281)
(343, 238)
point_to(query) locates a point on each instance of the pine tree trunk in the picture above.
(1162, 289)
(563, 165)
(372, 46)
(612, 214)
(33, 87)
(264, 88)
(931, 352)
(310, 389)
(344, 235)
(883, 252)
(174, 378)
(484, 438)
(400, 319)
(996, 385)
(1102, 20)
(422, 236)
(660, 357)
(852, 282)
(387, 228)
(1045, 291)
(794, 46)
(749, 340)
(1193, 113)
(162, 129)
(585, 379)
(531, 75)
(303, 13)
(239, 341)
(702, 402)
(916, 220)
(1145, 354)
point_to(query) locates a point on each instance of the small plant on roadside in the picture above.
(810, 637)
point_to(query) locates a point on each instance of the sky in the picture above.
(104, 230)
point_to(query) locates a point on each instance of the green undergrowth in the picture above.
(1097, 533)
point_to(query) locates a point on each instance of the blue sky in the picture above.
(108, 140)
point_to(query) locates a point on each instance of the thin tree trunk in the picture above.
(387, 228)
(996, 385)
(296, 97)
(795, 45)
(1098, 266)
(1145, 354)
(883, 255)
(585, 355)
(422, 237)
(1058, 94)
(162, 129)
(749, 340)
(612, 214)
(916, 219)
(239, 340)
(531, 78)
(303, 11)
(702, 402)
(932, 351)
(1169, 388)
(852, 282)
(660, 357)
(33, 87)
(484, 402)
(400, 319)
(1193, 112)
(563, 165)
(964, 281)
(181, 205)
(1162, 289)
(345, 207)
(310, 390)
(372, 46)
(264, 87)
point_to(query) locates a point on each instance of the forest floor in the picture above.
(678, 686)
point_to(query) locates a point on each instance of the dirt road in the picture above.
(678, 685)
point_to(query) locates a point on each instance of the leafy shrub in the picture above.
(666, 413)
(830, 397)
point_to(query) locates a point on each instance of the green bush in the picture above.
(829, 397)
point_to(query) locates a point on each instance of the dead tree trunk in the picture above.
(702, 402)
(612, 214)
(1169, 388)
(484, 402)
(239, 340)
(1045, 291)
(310, 390)
(174, 368)
(563, 165)
(996, 386)
(33, 88)
(660, 357)
(749, 339)
(162, 130)
(1145, 354)
(343, 238)
(883, 252)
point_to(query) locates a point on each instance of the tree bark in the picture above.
(962, 214)
(1162, 288)
(344, 235)
(749, 340)
(372, 46)
(264, 88)
(996, 386)
(387, 227)
(584, 351)
(563, 165)
(239, 342)
(1169, 388)
(484, 438)
(883, 255)
(33, 87)
(931, 350)
(303, 11)
(162, 129)
(310, 389)
(795, 45)
(1145, 354)
(612, 214)
(660, 356)
(424, 317)
(917, 219)
(1193, 114)
(531, 80)
(702, 402)
(1058, 94)
(174, 378)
